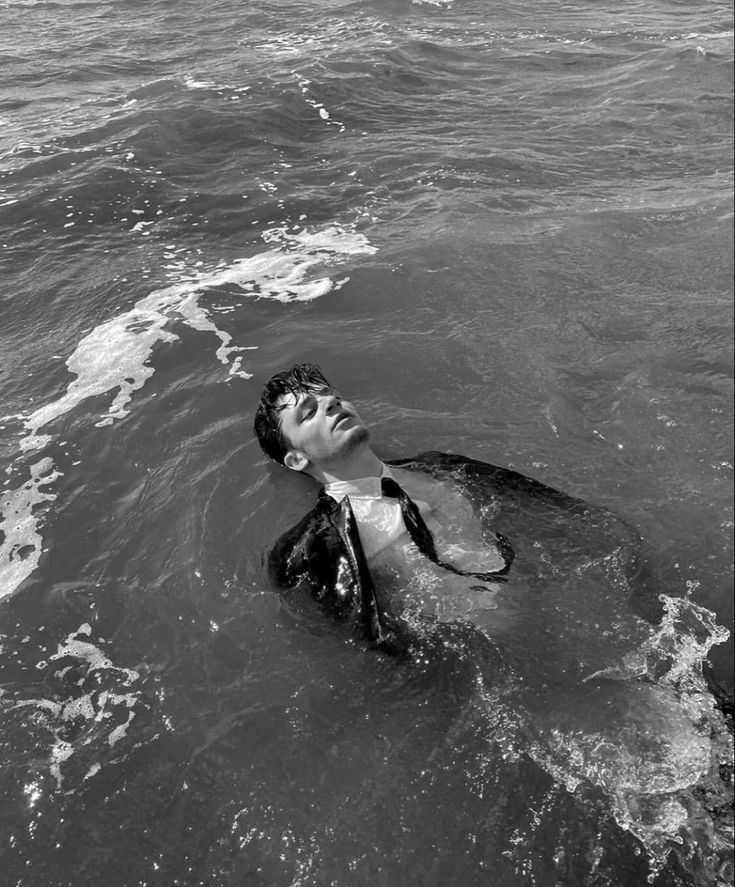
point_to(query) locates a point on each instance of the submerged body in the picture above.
(558, 649)
(387, 592)
(550, 660)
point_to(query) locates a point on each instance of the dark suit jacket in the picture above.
(322, 556)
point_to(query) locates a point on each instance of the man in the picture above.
(386, 544)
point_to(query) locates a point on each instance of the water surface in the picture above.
(505, 231)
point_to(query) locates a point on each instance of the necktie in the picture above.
(424, 541)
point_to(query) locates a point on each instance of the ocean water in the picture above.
(505, 230)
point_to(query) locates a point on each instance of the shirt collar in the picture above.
(360, 488)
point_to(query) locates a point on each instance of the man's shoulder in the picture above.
(297, 544)
(310, 525)
(494, 478)
(517, 494)
(452, 464)
(430, 460)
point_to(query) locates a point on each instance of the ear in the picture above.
(295, 460)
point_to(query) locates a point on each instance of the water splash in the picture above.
(659, 762)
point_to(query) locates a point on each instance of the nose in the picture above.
(331, 403)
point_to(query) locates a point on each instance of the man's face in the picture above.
(321, 427)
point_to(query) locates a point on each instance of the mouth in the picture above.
(340, 419)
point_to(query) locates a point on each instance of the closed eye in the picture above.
(307, 409)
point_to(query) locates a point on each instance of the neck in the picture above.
(360, 463)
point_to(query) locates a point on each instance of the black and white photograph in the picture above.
(366, 443)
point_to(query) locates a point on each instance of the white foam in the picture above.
(317, 106)
(95, 706)
(114, 357)
(192, 83)
(86, 651)
(21, 549)
(717, 35)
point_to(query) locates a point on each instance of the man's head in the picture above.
(304, 424)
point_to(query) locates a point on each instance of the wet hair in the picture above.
(301, 379)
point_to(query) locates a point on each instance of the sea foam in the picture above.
(114, 358)
(114, 355)
(93, 705)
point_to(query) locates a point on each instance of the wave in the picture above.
(114, 358)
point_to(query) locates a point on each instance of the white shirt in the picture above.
(379, 518)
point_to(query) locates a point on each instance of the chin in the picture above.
(357, 435)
